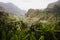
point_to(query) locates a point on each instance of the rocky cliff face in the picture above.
(52, 5)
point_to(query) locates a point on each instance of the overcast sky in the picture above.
(27, 4)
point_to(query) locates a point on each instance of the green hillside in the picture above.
(36, 25)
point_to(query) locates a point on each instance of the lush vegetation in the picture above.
(13, 28)
(37, 25)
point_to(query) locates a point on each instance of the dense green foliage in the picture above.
(37, 25)
(14, 29)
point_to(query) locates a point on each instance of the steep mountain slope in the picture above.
(52, 5)
(12, 8)
(51, 13)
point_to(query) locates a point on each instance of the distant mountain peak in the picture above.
(12, 8)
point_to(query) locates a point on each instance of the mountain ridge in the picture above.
(12, 8)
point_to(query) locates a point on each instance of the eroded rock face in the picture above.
(3, 12)
(52, 5)
(2, 9)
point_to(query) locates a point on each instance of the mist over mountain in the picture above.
(13, 9)
(51, 13)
